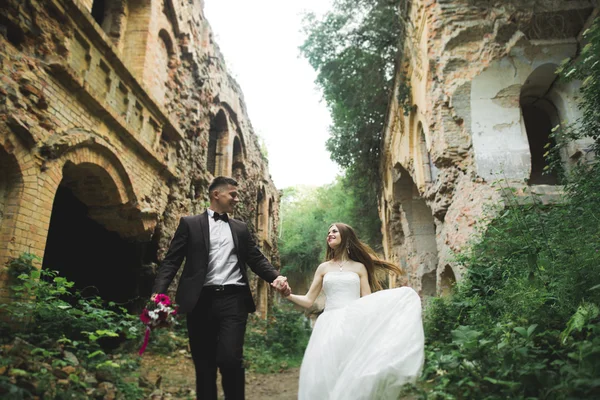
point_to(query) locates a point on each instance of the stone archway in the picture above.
(540, 116)
(447, 281)
(96, 237)
(419, 246)
(514, 103)
(11, 188)
(216, 160)
(238, 166)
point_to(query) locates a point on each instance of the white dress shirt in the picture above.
(222, 259)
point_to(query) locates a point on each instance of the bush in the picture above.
(279, 343)
(55, 341)
(524, 322)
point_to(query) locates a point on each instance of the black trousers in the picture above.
(216, 329)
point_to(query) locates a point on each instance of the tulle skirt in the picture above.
(366, 350)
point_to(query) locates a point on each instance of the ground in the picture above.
(175, 375)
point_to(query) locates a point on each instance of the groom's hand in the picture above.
(281, 285)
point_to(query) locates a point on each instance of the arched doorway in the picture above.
(447, 281)
(84, 243)
(11, 186)
(419, 244)
(539, 118)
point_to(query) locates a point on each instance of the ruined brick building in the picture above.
(115, 116)
(484, 97)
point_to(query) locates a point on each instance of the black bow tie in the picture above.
(223, 217)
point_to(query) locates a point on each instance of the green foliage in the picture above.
(306, 215)
(354, 49)
(46, 305)
(524, 321)
(168, 341)
(278, 343)
(586, 68)
(69, 331)
(21, 265)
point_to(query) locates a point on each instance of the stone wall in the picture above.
(122, 109)
(484, 98)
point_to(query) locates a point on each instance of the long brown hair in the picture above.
(358, 251)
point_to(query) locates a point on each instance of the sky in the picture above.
(259, 40)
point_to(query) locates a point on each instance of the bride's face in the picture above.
(334, 238)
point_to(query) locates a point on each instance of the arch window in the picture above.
(261, 202)
(271, 221)
(238, 168)
(217, 138)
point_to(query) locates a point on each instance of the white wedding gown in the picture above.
(362, 348)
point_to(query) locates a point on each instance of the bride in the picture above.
(361, 347)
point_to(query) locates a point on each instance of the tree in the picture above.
(306, 214)
(354, 48)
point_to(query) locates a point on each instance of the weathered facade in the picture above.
(116, 115)
(484, 98)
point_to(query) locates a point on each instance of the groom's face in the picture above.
(226, 198)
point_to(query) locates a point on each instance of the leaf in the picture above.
(532, 260)
(96, 353)
(521, 331)
(531, 329)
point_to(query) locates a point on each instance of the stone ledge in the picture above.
(83, 20)
(68, 78)
(525, 195)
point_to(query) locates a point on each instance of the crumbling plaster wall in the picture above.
(470, 64)
(113, 108)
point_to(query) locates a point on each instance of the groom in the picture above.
(213, 288)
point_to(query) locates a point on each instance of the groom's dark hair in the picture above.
(221, 181)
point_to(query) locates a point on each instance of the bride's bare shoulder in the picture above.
(322, 268)
(360, 267)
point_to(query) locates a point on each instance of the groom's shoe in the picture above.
(234, 381)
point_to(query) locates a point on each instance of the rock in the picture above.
(107, 374)
(59, 373)
(71, 358)
(69, 370)
(90, 379)
(144, 382)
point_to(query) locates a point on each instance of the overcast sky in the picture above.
(259, 40)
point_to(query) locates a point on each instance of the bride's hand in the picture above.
(281, 285)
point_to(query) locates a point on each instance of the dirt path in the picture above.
(175, 377)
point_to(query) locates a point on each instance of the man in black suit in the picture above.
(213, 288)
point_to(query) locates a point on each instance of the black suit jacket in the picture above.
(191, 241)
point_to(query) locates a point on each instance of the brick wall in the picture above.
(122, 119)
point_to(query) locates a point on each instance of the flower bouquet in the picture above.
(158, 313)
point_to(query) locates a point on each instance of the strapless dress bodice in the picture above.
(341, 288)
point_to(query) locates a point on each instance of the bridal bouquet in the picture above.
(158, 313)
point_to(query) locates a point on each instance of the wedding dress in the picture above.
(362, 348)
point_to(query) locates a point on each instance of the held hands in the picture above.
(281, 285)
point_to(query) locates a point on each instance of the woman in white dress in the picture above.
(362, 347)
